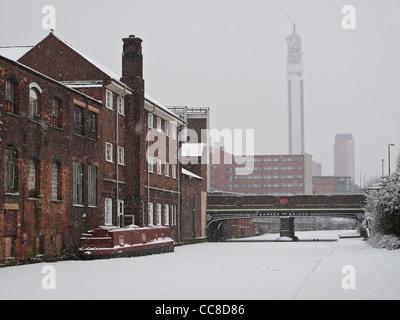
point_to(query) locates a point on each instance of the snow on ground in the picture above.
(220, 271)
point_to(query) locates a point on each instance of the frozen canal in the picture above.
(345, 269)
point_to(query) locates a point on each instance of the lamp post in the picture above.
(389, 146)
(383, 168)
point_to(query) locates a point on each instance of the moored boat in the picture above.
(104, 243)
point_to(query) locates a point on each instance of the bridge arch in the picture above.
(222, 207)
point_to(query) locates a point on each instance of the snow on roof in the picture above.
(14, 52)
(98, 65)
(190, 174)
(48, 78)
(161, 106)
(115, 76)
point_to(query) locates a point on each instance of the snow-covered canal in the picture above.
(345, 269)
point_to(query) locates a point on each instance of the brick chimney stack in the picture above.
(132, 61)
(135, 151)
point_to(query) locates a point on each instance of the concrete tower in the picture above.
(295, 75)
(344, 151)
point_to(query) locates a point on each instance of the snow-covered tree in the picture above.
(387, 204)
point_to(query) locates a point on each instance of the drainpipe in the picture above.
(148, 172)
(117, 163)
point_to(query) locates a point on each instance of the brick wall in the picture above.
(34, 222)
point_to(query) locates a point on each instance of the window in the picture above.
(92, 186)
(77, 183)
(167, 169)
(150, 120)
(174, 171)
(109, 100)
(150, 214)
(159, 167)
(11, 105)
(121, 105)
(11, 176)
(78, 121)
(109, 152)
(166, 214)
(150, 163)
(159, 208)
(159, 125)
(33, 104)
(108, 212)
(121, 156)
(121, 207)
(33, 179)
(174, 217)
(167, 128)
(56, 114)
(56, 181)
(174, 133)
(10, 91)
(93, 127)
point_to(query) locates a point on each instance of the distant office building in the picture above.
(330, 186)
(344, 152)
(316, 169)
(295, 74)
(277, 175)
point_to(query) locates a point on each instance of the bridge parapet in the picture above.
(222, 207)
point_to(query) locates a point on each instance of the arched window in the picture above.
(34, 101)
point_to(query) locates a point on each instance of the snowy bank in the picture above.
(380, 240)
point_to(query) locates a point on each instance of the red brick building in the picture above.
(82, 147)
(331, 185)
(40, 155)
(277, 175)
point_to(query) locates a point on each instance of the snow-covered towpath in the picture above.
(254, 270)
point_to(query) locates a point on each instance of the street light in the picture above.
(389, 146)
(383, 168)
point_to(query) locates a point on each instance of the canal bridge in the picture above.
(229, 206)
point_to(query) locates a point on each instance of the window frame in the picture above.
(121, 105)
(108, 211)
(159, 167)
(109, 152)
(11, 170)
(92, 186)
(79, 121)
(159, 125)
(159, 214)
(121, 155)
(109, 100)
(33, 113)
(166, 214)
(150, 120)
(77, 183)
(150, 164)
(56, 181)
(93, 123)
(150, 214)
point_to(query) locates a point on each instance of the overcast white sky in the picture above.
(231, 55)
